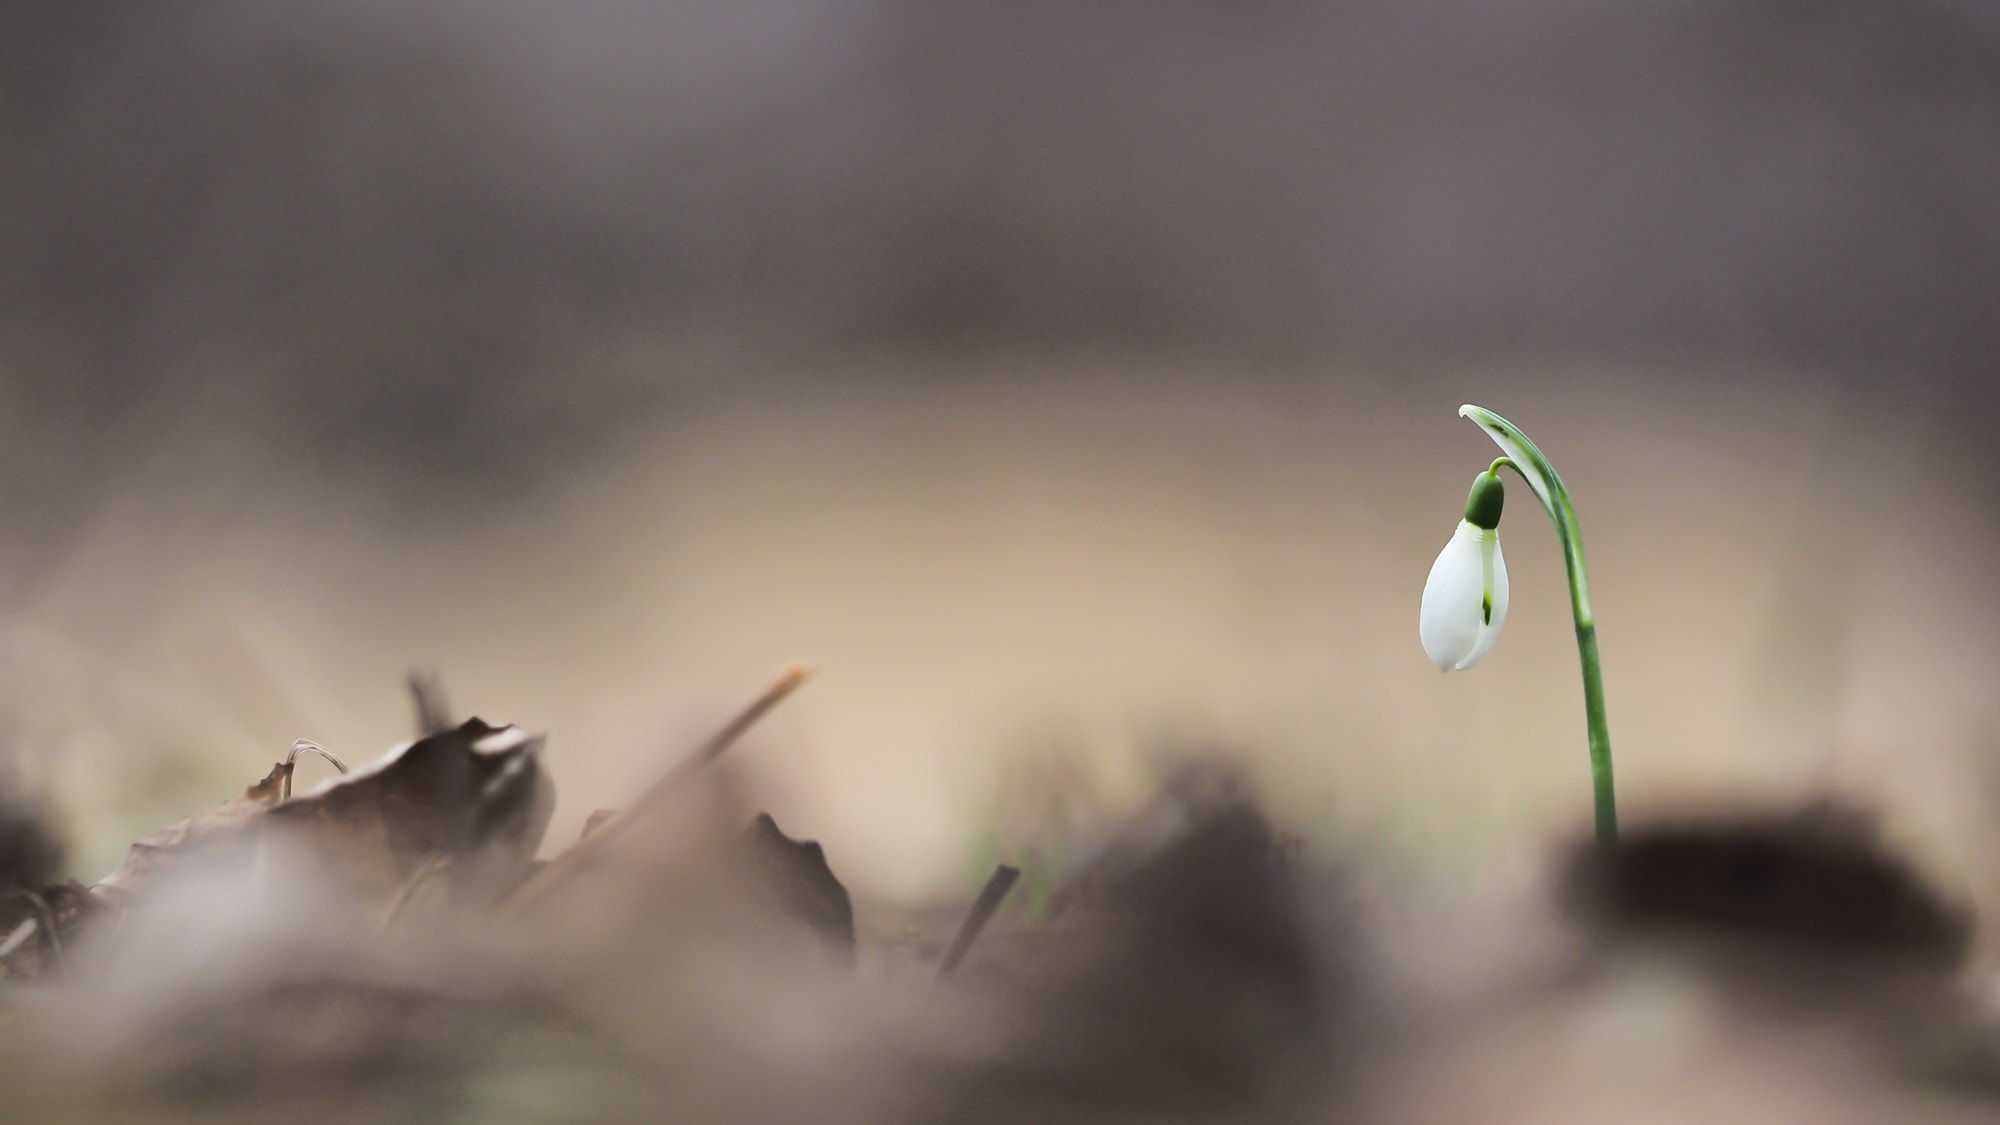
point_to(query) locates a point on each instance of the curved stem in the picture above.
(1528, 460)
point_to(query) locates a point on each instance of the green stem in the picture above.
(1528, 460)
(1605, 797)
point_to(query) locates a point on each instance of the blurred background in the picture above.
(1071, 384)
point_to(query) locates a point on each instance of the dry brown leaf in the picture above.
(468, 804)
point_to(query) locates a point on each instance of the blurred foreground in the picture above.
(385, 948)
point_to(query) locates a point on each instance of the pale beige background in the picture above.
(1095, 564)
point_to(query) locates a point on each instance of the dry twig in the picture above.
(580, 853)
(983, 908)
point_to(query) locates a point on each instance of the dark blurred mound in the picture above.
(29, 852)
(1804, 919)
(1818, 880)
(1191, 974)
(30, 860)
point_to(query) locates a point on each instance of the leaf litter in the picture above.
(388, 946)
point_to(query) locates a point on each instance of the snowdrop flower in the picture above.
(1465, 599)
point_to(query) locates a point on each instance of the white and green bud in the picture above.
(1465, 598)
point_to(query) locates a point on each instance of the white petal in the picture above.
(1449, 623)
(1490, 630)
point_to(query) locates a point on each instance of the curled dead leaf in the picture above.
(470, 803)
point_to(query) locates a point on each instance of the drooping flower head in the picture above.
(1465, 598)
